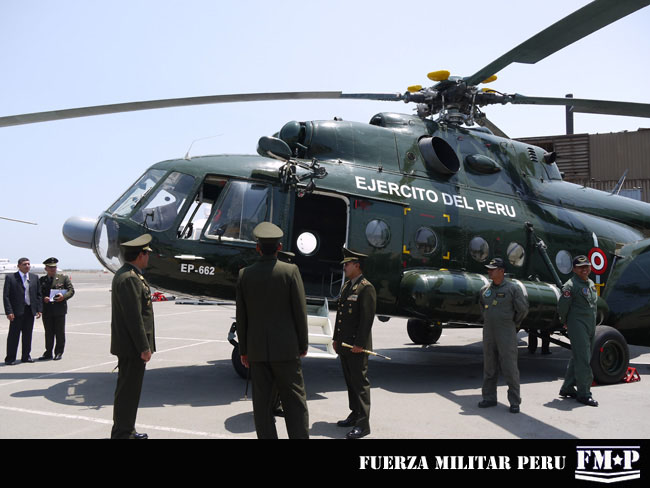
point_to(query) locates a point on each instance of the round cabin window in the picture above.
(378, 233)
(516, 254)
(479, 249)
(426, 241)
(564, 262)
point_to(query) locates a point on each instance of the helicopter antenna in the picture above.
(619, 185)
(187, 154)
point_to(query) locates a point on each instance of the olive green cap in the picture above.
(349, 255)
(266, 231)
(141, 243)
(51, 262)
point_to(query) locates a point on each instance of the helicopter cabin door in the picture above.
(318, 234)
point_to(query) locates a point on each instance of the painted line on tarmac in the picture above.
(141, 427)
(113, 362)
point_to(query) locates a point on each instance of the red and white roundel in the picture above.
(598, 260)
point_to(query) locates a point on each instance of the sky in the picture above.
(66, 54)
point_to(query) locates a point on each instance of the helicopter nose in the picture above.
(79, 231)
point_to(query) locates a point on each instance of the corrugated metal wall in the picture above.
(599, 160)
(612, 154)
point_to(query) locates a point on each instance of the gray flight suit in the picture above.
(577, 308)
(504, 307)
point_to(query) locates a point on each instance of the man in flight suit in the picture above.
(132, 335)
(577, 310)
(273, 335)
(504, 307)
(354, 317)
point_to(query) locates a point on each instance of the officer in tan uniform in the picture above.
(132, 334)
(55, 308)
(273, 335)
(504, 307)
(354, 318)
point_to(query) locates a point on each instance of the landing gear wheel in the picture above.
(610, 357)
(422, 332)
(236, 363)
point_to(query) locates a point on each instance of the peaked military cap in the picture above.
(141, 243)
(496, 263)
(581, 261)
(349, 255)
(266, 231)
(50, 262)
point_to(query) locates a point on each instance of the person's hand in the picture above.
(356, 349)
(146, 356)
(11, 317)
(46, 299)
(58, 297)
(244, 361)
(38, 315)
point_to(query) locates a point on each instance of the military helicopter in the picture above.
(430, 201)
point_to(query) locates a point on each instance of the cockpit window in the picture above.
(162, 206)
(244, 205)
(127, 202)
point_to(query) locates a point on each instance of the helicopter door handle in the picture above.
(189, 257)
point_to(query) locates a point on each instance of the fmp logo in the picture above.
(608, 464)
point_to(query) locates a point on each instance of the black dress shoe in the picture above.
(10, 363)
(45, 357)
(588, 401)
(349, 422)
(568, 394)
(357, 433)
(58, 356)
(137, 435)
(514, 408)
(27, 360)
(487, 403)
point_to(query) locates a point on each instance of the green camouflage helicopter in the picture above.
(430, 201)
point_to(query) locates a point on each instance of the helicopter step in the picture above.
(317, 318)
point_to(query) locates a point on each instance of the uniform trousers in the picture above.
(500, 354)
(579, 374)
(283, 378)
(54, 330)
(355, 372)
(127, 395)
(21, 324)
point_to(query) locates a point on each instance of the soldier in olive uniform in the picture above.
(132, 334)
(504, 307)
(55, 308)
(273, 335)
(577, 310)
(354, 318)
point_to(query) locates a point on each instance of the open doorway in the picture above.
(319, 232)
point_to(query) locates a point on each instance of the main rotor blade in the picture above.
(485, 122)
(574, 27)
(182, 102)
(588, 106)
(20, 221)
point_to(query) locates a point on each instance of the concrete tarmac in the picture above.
(192, 391)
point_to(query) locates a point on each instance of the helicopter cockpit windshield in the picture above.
(162, 206)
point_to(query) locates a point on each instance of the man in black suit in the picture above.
(22, 301)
